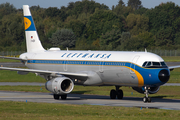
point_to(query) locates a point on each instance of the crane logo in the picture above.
(27, 23)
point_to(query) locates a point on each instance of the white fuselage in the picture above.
(113, 67)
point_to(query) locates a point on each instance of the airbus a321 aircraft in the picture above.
(143, 71)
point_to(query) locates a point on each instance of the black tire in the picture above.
(149, 99)
(120, 94)
(63, 97)
(56, 97)
(113, 94)
(145, 99)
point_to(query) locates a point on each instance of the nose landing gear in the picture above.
(146, 98)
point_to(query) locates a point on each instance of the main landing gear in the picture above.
(116, 93)
(146, 98)
(63, 97)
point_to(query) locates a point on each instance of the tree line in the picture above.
(88, 25)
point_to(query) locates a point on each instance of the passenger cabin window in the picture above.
(151, 64)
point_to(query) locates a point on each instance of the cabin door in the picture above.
(101, 64)
(65, 63)
(133, 64)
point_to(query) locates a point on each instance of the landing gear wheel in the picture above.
(56, 97)
(145, 99)
(63, 97)
(149, 99)
(120, 94)
(113, 94)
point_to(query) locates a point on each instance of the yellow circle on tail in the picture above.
(27, 23)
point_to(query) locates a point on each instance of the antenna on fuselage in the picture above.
(145, 50)
(67, 48)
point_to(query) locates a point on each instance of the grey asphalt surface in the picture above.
(79, 99)
(157, 103)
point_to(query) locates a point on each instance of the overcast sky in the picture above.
(59, 3)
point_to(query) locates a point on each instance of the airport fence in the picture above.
(11, 53)
(158, 52)
(166, 52)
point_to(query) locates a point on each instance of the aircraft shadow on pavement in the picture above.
(80, 92)
(100, 97)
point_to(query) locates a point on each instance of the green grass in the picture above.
(175, 76)
(50, 111)
(12, 76)
(171, 58)
(8, 60)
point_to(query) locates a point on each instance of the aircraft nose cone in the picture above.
(164, 76)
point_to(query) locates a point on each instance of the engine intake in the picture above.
(60, 85)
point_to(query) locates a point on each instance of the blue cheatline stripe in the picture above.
(32, 26)
(150, 76)
(77, 62)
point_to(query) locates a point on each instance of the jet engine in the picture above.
(60, 85)
(151, 90)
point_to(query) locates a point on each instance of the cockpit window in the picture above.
(163, 64)
(156, 63)
(144, 64)
(150, 64)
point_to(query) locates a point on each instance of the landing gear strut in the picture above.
(146, 98)
(56, 96)
(116, 93)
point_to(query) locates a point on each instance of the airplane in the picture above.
(145, 72)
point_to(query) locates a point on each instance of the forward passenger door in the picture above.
(133, 64)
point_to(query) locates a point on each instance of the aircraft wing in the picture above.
(53, 73)
(172, 67)
(14, 58)
(42, 72)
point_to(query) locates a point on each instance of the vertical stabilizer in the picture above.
(33, 43)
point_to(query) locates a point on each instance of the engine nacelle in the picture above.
(151, 90)
(60, 85)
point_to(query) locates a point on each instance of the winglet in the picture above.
(33, 43)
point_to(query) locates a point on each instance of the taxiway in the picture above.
(157, 103)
